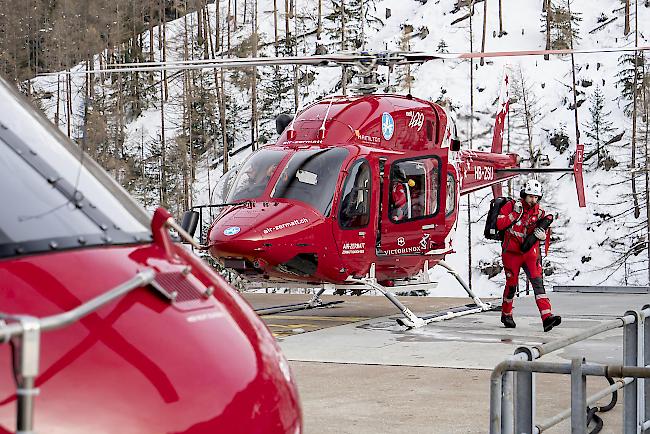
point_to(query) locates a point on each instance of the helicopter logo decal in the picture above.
(387, 125)
(233, 230)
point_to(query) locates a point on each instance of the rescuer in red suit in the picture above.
(398, 195)
(519, 219)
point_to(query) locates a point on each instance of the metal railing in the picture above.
(512, 388)
(24, 332)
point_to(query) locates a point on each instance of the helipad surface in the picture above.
(359, 372)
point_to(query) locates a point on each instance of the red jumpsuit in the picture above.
(514, 259)
(399, 202)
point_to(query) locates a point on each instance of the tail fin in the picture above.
(577, 174)
(499, 124)
(502, 112)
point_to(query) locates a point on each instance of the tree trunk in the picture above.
(635, 198)
(500, 19)
(549, 12)
(287, 30)
(344, 44)
(223, 122)
(573, 77)
(275, 26)
(228, 19)
(296, 88)
(217, 27)
(58, 101)
(185, 144)
(254, 120)
(163, 150)
(471, 139)
(319, 27)
(626, 30)
(68, 103)
(484, 30)
(151, 10)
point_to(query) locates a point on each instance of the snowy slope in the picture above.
(581, 231)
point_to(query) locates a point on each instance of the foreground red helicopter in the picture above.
(108, 324)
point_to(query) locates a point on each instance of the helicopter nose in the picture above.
(264, 236)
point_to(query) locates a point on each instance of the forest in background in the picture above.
(215, 112)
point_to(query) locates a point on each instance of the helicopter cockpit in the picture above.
(309, 176)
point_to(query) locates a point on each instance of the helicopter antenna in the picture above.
(321, 130)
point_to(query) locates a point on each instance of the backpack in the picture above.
(491, 232)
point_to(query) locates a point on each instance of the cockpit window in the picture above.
(254, 176)
(355, 202)
(53, 197)
(310, 176)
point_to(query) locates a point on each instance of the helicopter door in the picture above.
(356, 227)
(414, 202)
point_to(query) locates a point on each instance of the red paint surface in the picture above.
(142, 364)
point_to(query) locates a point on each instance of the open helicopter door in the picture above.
(413, 202)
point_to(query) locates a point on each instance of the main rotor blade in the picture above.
(238, 62)
(385, 58)
(419, 57)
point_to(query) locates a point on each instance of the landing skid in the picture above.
(411, 320)
(314, 303)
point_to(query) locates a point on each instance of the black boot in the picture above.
(551, 321)
(508, 322)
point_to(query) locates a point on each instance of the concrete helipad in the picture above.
(359, 372)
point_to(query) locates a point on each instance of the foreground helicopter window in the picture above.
(413, 189)
(310, 177)
(254, 176)
(43, 211)
(54, 196)
(355, 203)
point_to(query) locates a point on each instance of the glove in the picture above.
(540, 234)
(517, 207)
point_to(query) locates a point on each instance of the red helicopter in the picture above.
(111, 325)
(359, 192)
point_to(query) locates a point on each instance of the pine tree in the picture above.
(599, 126)
(626, 78)
(555, 23)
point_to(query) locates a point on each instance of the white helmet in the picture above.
(532, 187)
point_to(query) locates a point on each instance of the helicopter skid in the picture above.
(295, 307)
(444, 315)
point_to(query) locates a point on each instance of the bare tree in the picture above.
(484, 30)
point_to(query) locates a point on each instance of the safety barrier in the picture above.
(512, 398)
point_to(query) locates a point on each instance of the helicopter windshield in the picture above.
(254, 176)
(310, 177)
(54, 197)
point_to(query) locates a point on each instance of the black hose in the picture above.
(591, 411)
(593, 417)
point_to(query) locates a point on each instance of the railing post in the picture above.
(646, 362)
(630, 358)
(26, 356)
(524, 396)
(507, 425)
(578, 398)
